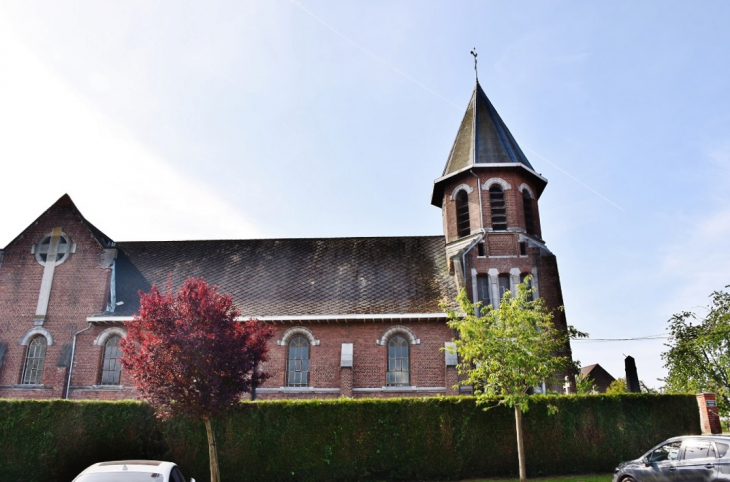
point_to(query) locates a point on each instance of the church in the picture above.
(354, 317)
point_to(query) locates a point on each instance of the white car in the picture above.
(132, 471)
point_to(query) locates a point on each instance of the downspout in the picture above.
(71, 363)
(481, 209)
(481, 224)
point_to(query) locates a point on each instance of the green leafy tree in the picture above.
(584, 385)
(617, 387)
(504, 352)
(698, 359)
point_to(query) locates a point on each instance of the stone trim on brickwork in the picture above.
(404, 330)
(30, 334)
(297, 390)
(461, 187)
(399, 389)
(525, 187)
(297, 330)
(496, 180)
(490, 166)
(108, 333)
(101, 320)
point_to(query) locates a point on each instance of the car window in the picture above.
(120, 477)
(721, 449)
(668, 451)
(176, 475)
(698, 449)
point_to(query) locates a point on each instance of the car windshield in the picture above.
(120, 477)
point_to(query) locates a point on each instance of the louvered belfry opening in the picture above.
(498, 208)
(462, 214)
(529, 213)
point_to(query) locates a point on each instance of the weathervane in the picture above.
(474, 53)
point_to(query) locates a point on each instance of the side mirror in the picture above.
(646, 461)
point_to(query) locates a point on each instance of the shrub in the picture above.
(441, 438)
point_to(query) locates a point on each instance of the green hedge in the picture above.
(397, 439)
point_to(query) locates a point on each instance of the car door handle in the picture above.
(672, 467)
(710, 466)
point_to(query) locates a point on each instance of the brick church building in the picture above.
(356, 317)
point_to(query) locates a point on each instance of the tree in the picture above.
(189, 355)
(698, 359)
(617, 387)
(584, 385)
(506, 351)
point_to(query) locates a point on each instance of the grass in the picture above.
(563, 478)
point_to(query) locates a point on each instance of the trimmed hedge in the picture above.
(441, 438)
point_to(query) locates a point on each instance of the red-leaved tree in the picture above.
(188, 355)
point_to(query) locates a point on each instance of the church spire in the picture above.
(483, 137)
(483, 140)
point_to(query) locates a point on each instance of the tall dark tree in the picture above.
(698, 359)
(189, 355)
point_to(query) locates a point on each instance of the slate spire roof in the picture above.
(483, 139)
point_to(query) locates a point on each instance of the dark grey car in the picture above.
(692, 458)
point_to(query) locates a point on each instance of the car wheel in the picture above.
(628, 478)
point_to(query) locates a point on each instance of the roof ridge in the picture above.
(429, 236)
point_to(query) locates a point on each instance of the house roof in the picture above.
(282, 277)
(483, 140)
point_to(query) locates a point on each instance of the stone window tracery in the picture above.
(111, 366)
(297, 362)
(398, 373)
(35, 356)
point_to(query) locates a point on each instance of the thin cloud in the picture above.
(53, 137)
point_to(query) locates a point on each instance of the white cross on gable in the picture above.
(53, 250)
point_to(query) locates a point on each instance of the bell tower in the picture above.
(489, 194)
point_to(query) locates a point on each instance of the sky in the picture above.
(312, 118)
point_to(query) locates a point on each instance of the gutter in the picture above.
(71, 363)
(364, 317)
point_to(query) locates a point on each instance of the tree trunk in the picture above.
(520, 444)
(215, 475)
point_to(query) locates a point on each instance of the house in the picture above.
(352, 316)
(600, 377)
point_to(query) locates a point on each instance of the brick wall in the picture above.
(513, 201)
(80, 288)
(427, 365)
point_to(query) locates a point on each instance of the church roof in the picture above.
(483, 137)
(296, 277)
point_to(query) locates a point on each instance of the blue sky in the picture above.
(311, 118)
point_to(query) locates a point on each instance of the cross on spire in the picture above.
(474, 53)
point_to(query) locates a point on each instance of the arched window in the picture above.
(462, 214)
(523, 277)
(398, 374)
(297, 362)
(34, 358)
(111, 366)
(498, 209)
(529, 213)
